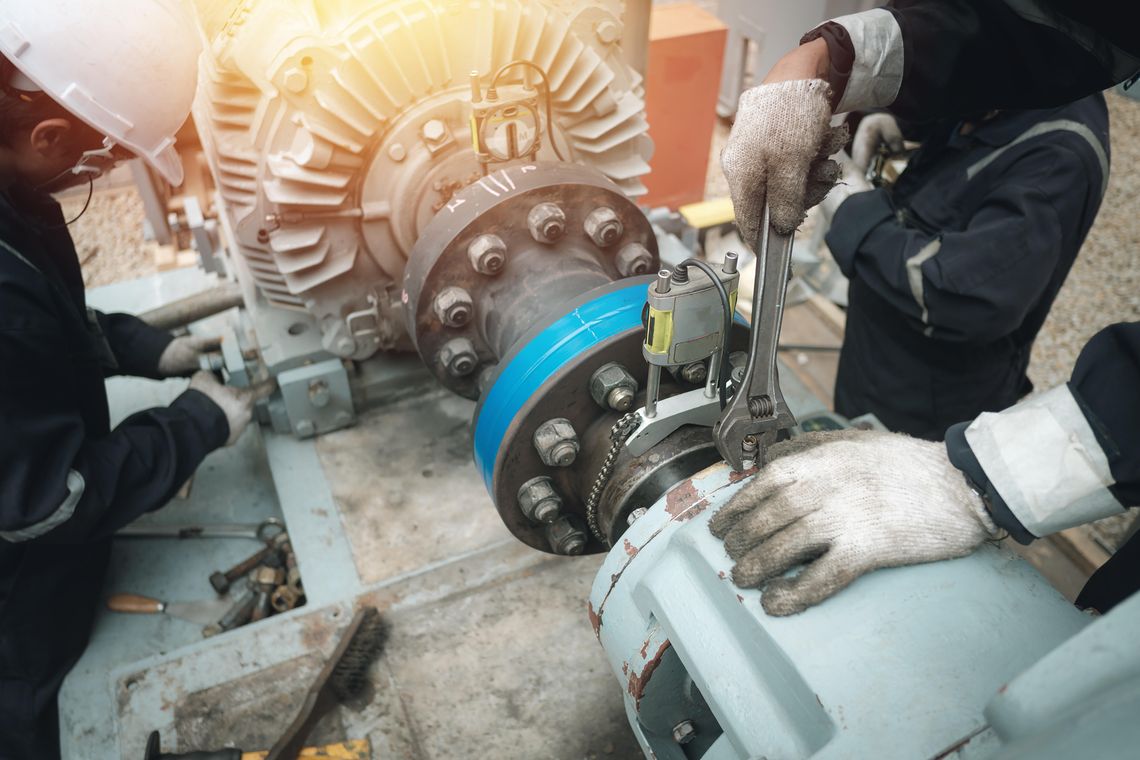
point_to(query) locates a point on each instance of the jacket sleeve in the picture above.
(929, 59)
(135, 344)
(977, 284)
(1067, 456)
(61, 482)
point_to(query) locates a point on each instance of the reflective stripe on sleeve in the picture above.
(75, 487)
(1044, 460)
(877, 72)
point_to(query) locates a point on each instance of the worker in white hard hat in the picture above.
(83, 84)
(844, 504)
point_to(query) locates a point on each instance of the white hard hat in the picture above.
(128, 68)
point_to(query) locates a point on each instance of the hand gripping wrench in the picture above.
(757, 412)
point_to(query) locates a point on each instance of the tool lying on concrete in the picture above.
(203, 612)
(360, 749)
(342, 677)
(262, 531)
(757, 413)
(274, 585)
(221, 581)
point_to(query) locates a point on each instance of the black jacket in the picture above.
(67, 480)
(953, 271)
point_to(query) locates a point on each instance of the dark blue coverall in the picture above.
(67, 480)
(953, 270)
(965, 57)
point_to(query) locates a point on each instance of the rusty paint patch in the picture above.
(692, 511)
(644, 649)
(630, 549)
(595, 620)
(721, 574)
(625, 668)
(637, 683)
(681, 498)
(736, 477)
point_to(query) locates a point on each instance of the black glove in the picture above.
(153, 752)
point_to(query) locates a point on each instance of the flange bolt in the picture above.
(547, 222)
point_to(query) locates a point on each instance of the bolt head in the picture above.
(566, 537)
(295, 80)
(613, 387)
(556, 442)
(344, 346)
(684, 732)
(319, 393)
(608, 32)
(635, 515)
(487, 254)
(304, 428)
(397, 152)
(453, 306)
(546, 511)
(434, 131)
(603, 226)
(634, 259)
(458, 357)
(546, 222)
(538, 500)
(696, 373)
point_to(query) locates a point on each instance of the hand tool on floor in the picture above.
(757, 413)
(235, 617)
(262, 531)
(202, 612)
(360, 749)
(342, 677)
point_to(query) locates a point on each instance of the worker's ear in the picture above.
(53, 138)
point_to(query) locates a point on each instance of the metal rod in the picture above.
(711, 383)
(184, 311)
(652, 389)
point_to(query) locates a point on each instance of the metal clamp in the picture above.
(757, 412)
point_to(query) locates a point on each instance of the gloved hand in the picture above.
(851, 181)
(846, 503)
(180, 357)
(235, 403)
(874, 130)
(777, 151)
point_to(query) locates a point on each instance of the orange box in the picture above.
(686, 50)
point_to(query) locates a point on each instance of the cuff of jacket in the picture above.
(962, 457)
(866, 52)
(207, 416)
(840, 56)
(853, 221)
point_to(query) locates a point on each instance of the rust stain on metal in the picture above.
(692, 511)
(625, 668)
(721, 574)
(681, 497)
(736, 477)
(637, 683)
(595, 620)
(739, 598)
(630, 549)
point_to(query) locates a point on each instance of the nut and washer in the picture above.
(603, 226)
(565, 537)
(684, 732)
(434, 130)
(453, 306)
(696, 373)
(556, 442)
(539, 501)
(284, 598)
(613, 387)
(634, 259)
(547, 222)
(487, 254)
(458, 357)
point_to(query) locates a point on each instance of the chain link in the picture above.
(618, 435)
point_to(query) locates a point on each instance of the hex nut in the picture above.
(684, 732)
(304, 428)
(634, 259)
(603, 226)
(458, 357)
(295, 80)
(487, 254)
(696, 373)
(613, 387)
(434, 131)
(547, 222)
(453, 306)
(556, 442)
(538, 500)
(566, 537)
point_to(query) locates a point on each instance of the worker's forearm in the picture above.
(808, 61)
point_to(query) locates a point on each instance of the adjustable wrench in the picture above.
(757, 412)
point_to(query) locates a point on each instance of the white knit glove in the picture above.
(874, 130)
(180, 357)
(777, 151)
(851, 181)
(235, 403)
(846, 503)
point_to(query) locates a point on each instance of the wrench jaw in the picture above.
(737, 428)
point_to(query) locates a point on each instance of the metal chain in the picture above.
(618, 435)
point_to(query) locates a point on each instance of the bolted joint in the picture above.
(566, 537)
(684, 732)
(458, 357)
(696, 373)
(434, 131)
(556, 442)
(487, 254)
(613, 387)
(538, 500)
(634, 259)
(603, 226)
(547, 222)
(453, 306)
